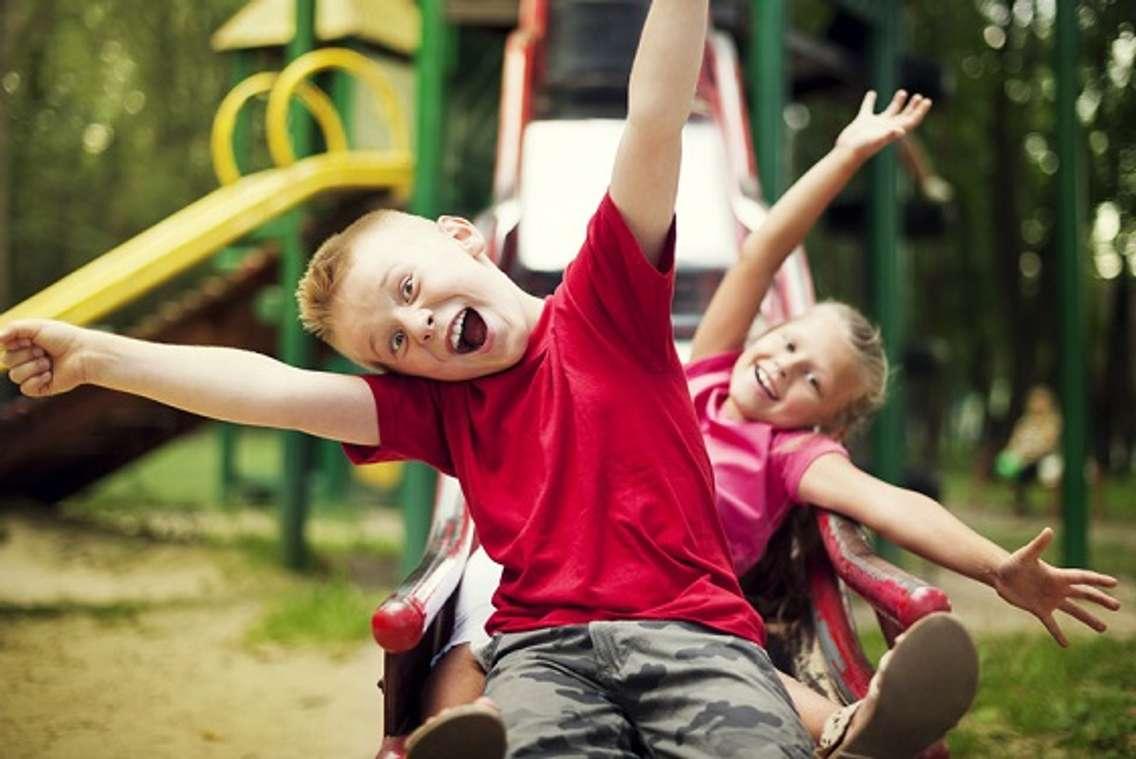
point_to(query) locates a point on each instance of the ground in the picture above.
(163, 643)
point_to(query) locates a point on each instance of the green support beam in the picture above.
(886, 280)
(1075, 548)
(767, 92)
(435, 56)
(295, 346)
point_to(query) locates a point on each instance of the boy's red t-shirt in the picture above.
(582, 464)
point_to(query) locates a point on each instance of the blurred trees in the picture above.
(986, 288)
(108, 106)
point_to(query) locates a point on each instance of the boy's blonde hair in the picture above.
(317, 289)
(871, 358)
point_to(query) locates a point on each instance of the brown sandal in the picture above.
(922, 688)
(471, 731)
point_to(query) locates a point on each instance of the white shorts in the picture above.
(475, 603)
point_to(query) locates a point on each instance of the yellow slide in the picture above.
(200, 229)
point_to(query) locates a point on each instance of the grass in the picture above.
(1036, 699)
(330, 613)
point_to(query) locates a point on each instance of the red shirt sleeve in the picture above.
(615, 289)
(409, 410)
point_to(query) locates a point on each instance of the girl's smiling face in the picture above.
(800, 374)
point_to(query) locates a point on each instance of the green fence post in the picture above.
(227, 434)
(885, 268)
(767, 92)
(1075, 548)
(295, 347)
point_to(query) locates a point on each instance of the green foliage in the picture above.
(110, 104)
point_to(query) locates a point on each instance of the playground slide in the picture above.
(200, 229)
(67, 442)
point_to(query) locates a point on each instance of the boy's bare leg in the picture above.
(456, 679)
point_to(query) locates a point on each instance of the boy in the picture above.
(620, 627)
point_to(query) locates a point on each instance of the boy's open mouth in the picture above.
(765, 382)
(467, 331)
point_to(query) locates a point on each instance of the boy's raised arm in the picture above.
(736, 301)
(644, 180)
(48, 358)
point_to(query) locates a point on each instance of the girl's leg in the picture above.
(813, 708)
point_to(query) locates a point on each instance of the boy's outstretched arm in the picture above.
(922, 526)
(644, 181)
(48, 358)
(736, 301)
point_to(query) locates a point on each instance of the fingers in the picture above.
(1054, 630)
(37, 385)
(1083, 616)
(1088, 577)
(914, 111)
(868, 106)
(896, 104)
(23, 371)
(1035, 547)
(18, 332)
(1099, 597)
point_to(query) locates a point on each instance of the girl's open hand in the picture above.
(870, 132)
(43, 357)
(1040, 588)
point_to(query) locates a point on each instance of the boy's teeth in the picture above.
(456, 330)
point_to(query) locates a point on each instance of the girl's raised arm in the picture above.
(736, 302)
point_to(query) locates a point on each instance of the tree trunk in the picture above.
(6, 292)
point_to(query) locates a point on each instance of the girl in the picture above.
(774, 416)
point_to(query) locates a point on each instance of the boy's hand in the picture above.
(1031, 584)
(871, 132)
(43, 357)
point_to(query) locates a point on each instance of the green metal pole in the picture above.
(434, 57)
(767, 92)
(227, 433)
(1075, 548)
(295, 347)
(885, 270)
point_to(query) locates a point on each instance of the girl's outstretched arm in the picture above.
(737, 300)
(924, 527)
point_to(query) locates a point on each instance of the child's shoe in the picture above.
(470, 731)
(922, 688)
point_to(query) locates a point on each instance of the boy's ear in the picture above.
(464, 233)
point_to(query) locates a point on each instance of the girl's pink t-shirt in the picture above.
(757, 468)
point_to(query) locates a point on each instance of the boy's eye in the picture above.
(790, 346)
(812, 379)
(397, 341)
(407, 288)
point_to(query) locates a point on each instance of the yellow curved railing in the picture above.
(225, 122)
(242, 204)
(292, 77)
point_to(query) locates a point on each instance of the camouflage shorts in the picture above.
(631, 689)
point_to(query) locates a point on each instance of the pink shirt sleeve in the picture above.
(624, 300)
(792, 452)
(410, 416)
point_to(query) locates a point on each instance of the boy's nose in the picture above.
(423, 325)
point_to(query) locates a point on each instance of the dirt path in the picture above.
(84, 678)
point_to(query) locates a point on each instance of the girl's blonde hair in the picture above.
(871, 358)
